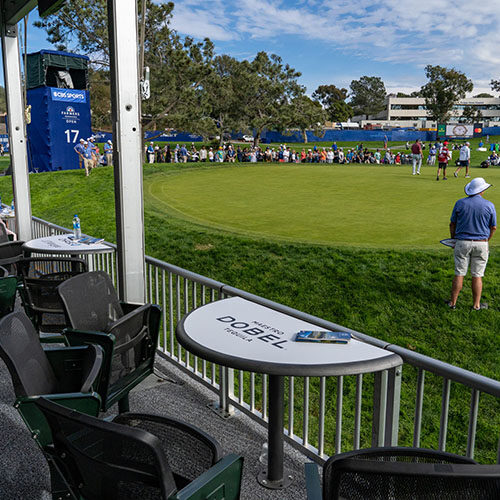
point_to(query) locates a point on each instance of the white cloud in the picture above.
(459, 33)
(200, 22)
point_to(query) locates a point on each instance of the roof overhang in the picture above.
(14, 10)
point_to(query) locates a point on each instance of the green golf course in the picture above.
(353, 205)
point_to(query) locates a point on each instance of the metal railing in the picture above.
(413, 405)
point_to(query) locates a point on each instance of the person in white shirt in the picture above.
(286, 155)
(464, 160)
(329, 156)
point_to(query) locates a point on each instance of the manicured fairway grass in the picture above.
(355, 205)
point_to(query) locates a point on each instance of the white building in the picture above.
(412, 112)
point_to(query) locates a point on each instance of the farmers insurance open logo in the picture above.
(255, 330)
(70, 115)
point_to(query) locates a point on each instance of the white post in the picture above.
(127, 156)
(17, 131)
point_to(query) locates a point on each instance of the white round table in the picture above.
(61, 244)
(240, 334)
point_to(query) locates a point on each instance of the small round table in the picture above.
(60, 244)
(240, 334)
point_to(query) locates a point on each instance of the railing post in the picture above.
(379, 408)
(393, 406)
(226, 392)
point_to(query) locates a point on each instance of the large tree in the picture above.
(268, 86)
(305, 114)
(218, 98)
(368, 95)
(471, 114)
(334, 103)
(443, 91)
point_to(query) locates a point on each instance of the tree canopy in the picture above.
(368, 95)
(334, 103)
(443, 90)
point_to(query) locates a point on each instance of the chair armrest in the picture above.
(223, 478)
(77, 368)
(89, 403)
(313, 483)
(127, 307)
(106, 342)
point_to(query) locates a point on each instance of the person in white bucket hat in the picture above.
(473, 223)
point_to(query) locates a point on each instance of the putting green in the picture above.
(368, 206)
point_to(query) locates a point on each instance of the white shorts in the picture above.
(474, 252)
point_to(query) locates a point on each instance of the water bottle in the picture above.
(77, 230)
(1, 206)
(12, 206)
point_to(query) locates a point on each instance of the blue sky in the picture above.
(336, 41)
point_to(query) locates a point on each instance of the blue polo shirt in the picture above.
(473, 216)
(87, 151)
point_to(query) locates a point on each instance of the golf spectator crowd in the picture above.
(284, 154)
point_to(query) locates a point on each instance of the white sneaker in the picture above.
(467, 176)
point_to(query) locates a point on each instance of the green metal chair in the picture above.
(138, 456)
(127, 333)
(65, 374)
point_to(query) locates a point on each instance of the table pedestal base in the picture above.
(274, 485)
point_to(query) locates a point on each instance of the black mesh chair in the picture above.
(403, 474)
(11, 252)
(41, 276)
(127, 333)
(67, 374)
(138, 456)
(8, 289)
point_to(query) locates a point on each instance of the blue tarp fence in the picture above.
(296, 136)
(351, 135)
(4, 139)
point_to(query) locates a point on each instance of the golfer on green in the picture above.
(473, 222)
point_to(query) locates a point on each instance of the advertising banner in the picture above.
(459, 131)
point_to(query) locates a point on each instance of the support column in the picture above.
(127, 152)
(17, 131)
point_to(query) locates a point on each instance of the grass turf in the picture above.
(354, 205)
(393, 294)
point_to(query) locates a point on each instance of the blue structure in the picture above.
(60, 109)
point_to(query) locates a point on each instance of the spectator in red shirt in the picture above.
(416, 150)
(443, 159)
